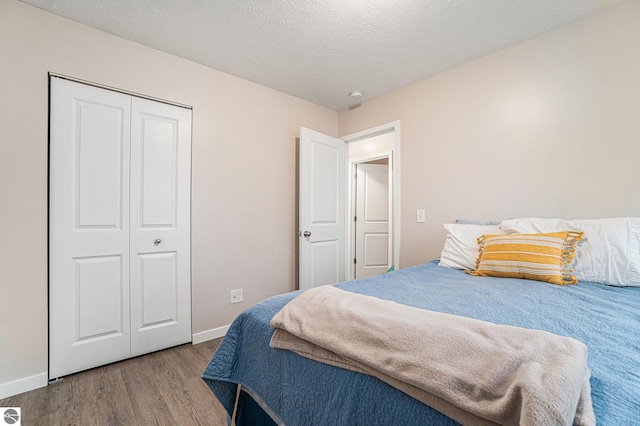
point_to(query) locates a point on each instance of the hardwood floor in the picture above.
(162, 388)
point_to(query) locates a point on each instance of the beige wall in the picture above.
(549, 128)
(242, 210)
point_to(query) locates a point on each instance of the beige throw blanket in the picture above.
(476, 372)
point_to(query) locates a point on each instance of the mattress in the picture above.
(298, 391)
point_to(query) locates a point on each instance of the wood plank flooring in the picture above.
(162, 388)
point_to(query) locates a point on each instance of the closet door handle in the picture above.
(157, 241)
(307, 234)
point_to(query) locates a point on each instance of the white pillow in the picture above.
(609, 252)
(461, 247)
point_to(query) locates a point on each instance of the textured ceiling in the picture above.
(320, 50)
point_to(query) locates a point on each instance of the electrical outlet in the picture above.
(236, 296)
(420, 216)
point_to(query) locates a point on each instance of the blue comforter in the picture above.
(298, 391)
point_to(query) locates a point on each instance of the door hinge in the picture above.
(355, 218)
(355, 261)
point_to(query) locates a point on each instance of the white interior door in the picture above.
(88, 227)
(322, 209)
(119, 226)
(160, 226)
(372, 223)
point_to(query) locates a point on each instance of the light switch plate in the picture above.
(420, 216)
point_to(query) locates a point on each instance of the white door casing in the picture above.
(372, 219)
(322, 209)
(112, 296)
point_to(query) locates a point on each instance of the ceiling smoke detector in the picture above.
(356, 95)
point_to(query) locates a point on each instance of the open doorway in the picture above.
(372, 225)
(374, 201)
(325, 196)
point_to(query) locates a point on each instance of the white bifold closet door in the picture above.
(119, 226)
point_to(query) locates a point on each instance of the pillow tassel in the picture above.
(568, 254)
(481, 240)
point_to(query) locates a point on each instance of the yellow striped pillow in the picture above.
(543, 257)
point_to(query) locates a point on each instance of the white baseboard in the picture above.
(214, 333)
(23, 385)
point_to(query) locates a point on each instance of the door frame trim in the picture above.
(394, 158)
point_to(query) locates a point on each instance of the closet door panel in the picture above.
(158, 171)
(88, 227)
(158, 286)
(99, 295)
(99, 176)
(160, 226)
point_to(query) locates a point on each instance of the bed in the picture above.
(281, 387)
